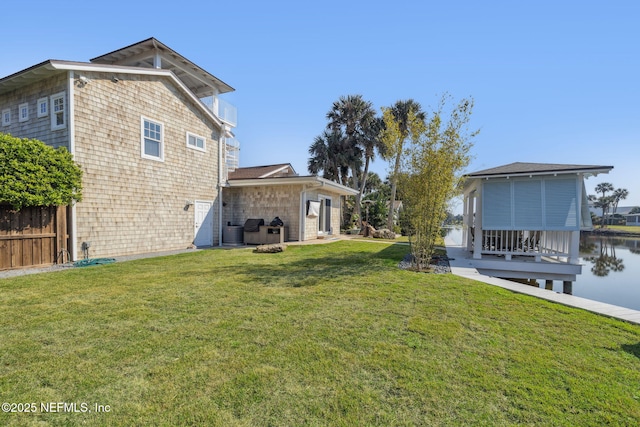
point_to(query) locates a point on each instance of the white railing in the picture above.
(224, 110)
(553, 244)
(227, 112)
(232, 154)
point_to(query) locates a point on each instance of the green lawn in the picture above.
(626, 228)
(330, 334)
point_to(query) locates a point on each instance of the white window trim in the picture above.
(142, 153)
(54, 125)
(195, 147)
(5, 121)
(39, 112)
(23, 107)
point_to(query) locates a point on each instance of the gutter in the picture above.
(310, 181)
(590, 172)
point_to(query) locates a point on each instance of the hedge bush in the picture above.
(34, 174)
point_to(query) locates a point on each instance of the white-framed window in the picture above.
(43, 107)
(23, 112)
(152, 145)
(196, 142)
(58, 111)
(6, 117)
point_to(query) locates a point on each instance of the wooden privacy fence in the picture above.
(34, 236)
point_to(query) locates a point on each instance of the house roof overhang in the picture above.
(309, 182)
(144, 54)
(53, 67)
(530, 169)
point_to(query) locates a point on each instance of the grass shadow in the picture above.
(334, 262)
(633, 349)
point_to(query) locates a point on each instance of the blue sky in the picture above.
(553, 81)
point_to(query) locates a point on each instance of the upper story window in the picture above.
(23, 112)
(42, 107)
(196, 142)
(152, 140)
(6, 117)
(58, 113)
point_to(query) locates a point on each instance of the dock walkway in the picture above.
(461, 264)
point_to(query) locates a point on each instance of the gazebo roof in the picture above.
(520, 168)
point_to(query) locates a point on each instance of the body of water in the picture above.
(610, 270)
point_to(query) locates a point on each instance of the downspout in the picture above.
(222, 138)
(303, 216)
(73, 246)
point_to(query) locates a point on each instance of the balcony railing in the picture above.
(232, 154)
(224, 110)
(536, 243)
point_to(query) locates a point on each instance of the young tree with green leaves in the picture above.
(34, 174)
(437, 152)
(398, 120)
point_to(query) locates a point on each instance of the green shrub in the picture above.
(34, 174)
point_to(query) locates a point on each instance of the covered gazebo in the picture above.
(532, 210)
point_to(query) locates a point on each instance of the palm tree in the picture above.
(327, 157)
(355, 119)
(618, 195)
(401, 111)
(604, 188)
(603, 202)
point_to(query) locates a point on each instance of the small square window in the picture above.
(152, 146)
(195, 142)
(23, 112)
(6, 117)
(43, 107)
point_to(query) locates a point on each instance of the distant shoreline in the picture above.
(613, 232)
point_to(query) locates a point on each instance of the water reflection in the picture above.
(610, 270)
(603, 257)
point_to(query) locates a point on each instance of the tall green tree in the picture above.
(604, 202)
(398, 121)
(352, 140)
(431, 172)
(34, 174)
(328, 158)
(618, 195)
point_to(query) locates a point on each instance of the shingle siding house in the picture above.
(138, 124)
(155, 143)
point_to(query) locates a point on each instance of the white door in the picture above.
(203, 224)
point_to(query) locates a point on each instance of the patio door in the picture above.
(324, 217)
(203, 223)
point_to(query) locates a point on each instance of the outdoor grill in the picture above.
(252, 231)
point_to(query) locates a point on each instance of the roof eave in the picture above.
(173, 57)
(587, 171)
(313, 181)
(51, 67)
